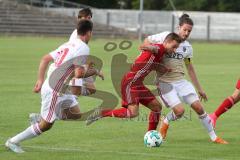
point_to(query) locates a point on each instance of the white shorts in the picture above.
(174, 93)
(52, 104)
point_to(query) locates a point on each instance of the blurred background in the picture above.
(217, 20)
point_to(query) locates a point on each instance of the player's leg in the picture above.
(50, 100)
(31, 132)
(154, 116)
(68, 108)
(226, 104)
(72, 113)
(206, 122)
(130, 102)
(204, 118)
(190, 97)
(188, 94)
(130, 111)
(148, 99)
(176, 113)
(170, 97)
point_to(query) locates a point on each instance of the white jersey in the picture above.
(79, 81)
(74, 35)
(174, 61)
(66, 57)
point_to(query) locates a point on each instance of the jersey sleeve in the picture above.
(189, 52)
(73, 35)
(81, 56)
(54, 54)
(158, 38)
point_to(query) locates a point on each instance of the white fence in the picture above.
(207, 25)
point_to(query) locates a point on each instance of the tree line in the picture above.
(186, 5)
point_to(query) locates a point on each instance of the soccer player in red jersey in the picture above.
(133, 90)
(226, 104)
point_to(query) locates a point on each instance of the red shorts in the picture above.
(238, 84)
(135, 94)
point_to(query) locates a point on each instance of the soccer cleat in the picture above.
(96, 115)
(163, 129)
(34, 118)
(220, 141)
(13, 147)
(213, 118)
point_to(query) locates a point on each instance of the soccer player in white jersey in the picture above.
(174, 88)
(78, 86)
(82, 86)
(68, 60)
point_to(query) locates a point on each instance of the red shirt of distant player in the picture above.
(132, 88)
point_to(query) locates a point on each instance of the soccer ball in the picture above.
(153, 139)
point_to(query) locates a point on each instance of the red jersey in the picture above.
(144, 64)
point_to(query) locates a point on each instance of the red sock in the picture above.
(153, 120)
(226, 105)
(119, 113)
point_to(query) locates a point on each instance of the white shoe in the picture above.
(96, 115)
(34, 118)
(14, 147)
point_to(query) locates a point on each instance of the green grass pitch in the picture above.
(217, 66)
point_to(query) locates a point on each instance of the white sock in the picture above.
(30, 132)
(170, 117)
(206, 121)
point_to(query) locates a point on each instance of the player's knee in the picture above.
(157, 109)
(155, 106)
(133, 114)
(198, 107)
(199, 110)
(179, 112)
(45, 127)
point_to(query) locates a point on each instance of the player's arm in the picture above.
(46, 59)
(84, 72)
(193, 76)
(148, 46)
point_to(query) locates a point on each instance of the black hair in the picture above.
(173, 36)
(84, 26)
(85, 12)
(185, 19)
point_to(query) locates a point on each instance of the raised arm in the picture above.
(46, 59)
